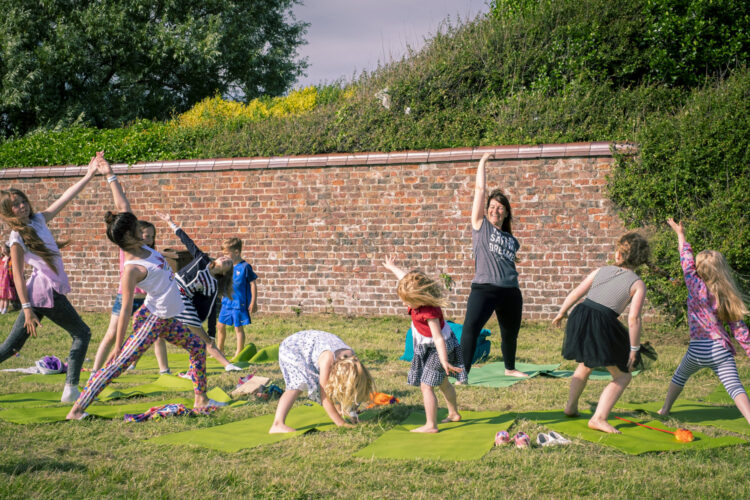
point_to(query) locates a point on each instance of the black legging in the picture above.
(483, 301)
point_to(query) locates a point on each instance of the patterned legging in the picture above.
(147, 328)
(707, 353)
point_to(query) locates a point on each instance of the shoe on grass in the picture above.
(232, 368)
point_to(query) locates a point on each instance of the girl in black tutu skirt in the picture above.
(595, 337)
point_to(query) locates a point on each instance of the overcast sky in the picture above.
(346, 37)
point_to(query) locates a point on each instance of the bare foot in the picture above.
(570, 411)
(456, 417)
(75, 413)
(602, 425)
(280, 429)
(663, 412)
(516, 373)
(428, 429)
(460, 383)
(201, 401)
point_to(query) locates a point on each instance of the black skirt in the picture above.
(595, 337)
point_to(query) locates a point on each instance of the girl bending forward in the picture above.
(323, 365)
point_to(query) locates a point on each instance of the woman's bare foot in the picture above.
(280, 429)
(516, 373)
(663, 412)
(460, 383)
(602, 425)
(428, 429)
(456, 417)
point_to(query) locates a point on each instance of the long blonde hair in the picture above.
(32, 240)
(417, 290)
(349, 384)
(713, 269)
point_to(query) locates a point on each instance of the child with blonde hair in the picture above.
(7, 287)
(323, 365)
(437, 353)
(713, 301)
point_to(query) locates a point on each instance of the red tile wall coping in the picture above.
(576, 149)
(316, 232)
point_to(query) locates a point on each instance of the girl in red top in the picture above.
(437, 353)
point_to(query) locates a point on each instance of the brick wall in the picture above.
(316, 228)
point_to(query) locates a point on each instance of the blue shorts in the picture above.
(117, 306)
(234, 317)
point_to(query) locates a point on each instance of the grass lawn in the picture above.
(110, 458)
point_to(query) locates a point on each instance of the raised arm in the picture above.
(480, 193)
(677, 228)
(390, 264)
(71, 192)
(184, 238)
(573, 297)
(118, 193)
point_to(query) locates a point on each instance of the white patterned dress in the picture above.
(298, 359)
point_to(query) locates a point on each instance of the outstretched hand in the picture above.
(165, 217)
(102, 164)
(449, 368)
(676, 226)
(486, 156)
(389, 262)
(558, 320)
(93, 167)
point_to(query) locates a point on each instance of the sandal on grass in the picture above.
(522, 440)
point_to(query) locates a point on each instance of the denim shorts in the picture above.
(117, 306)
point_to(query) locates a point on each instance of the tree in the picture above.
(107, 62)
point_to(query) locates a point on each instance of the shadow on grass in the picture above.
(25, 465)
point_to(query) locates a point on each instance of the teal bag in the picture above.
(481, 353)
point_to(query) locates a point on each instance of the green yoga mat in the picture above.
(595, 375)
(251, 432)
(728, 418)
(634, 439)
(719, 396)
(469, 439)
(178, 362)
(50, 414)
(493, 374)
(30, 399)
(165, 383)
(59, 378)
(266, 355)
(28, 414)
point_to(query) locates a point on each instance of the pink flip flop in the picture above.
(501, 438)
(522, 440)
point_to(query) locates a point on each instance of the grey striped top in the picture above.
(611, 287)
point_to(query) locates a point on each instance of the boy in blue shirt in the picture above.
(236, 311)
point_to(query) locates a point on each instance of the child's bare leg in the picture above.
(102, 352)
(577, 384)
(160, 351)
(607, 400)
(743, 403)
(210, 346)
(221, 335)
(282, 410)
(430, 410)
(240, 331)
(449, 393)
(673, 392)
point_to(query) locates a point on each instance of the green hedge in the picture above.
(694, 166)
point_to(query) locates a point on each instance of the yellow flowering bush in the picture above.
(217, 111)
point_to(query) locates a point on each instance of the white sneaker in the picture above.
(543, 439)
(184, 375)
(232, 368)
(558, 439)
(70, 394)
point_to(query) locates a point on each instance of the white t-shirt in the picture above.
(162, 295)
